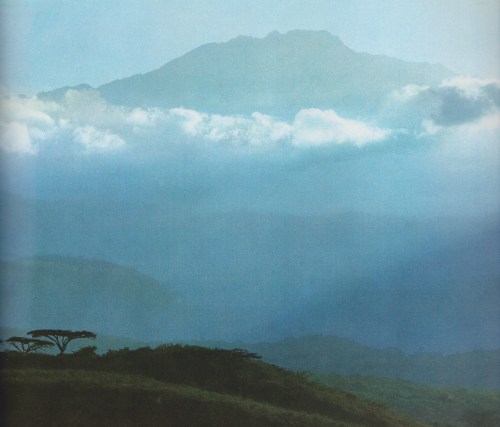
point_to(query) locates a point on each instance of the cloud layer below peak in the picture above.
(91, 123)
(82, 121)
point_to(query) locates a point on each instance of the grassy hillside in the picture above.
(458, 407)
(174, 386)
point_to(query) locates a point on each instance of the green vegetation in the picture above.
(103, 342)
(174, 386)
(457, 406)
(59, 338)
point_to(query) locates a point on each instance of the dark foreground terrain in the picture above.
(173, 386)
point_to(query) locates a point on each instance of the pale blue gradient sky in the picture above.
(52, 43)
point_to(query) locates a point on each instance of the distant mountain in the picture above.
(58, 94)
(279, 74)
(420, 283)
(72, 293)
(330, 354)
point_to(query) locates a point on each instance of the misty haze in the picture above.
(331, 210)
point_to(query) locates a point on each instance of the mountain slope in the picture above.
(459, 407)
(176, 385)
(279, 74)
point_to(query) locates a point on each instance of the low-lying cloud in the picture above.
(95, 126)
(95, 139)
(15, 138)
(255, 130)
(86, 123)
(455, 102)
(319, 127)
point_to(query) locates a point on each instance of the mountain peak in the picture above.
(314, 35)
(318, 38)
(292, 36)
(273, 34)
(278, 74)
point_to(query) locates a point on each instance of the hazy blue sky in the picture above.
(52, 43)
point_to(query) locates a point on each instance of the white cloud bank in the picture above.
(95, 139)
(255, 130)
(85, 122)
(319, 127)
(94, 125)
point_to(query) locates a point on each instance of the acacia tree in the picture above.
(27, 345)
(60, 337)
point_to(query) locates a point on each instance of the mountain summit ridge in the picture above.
(279, 74)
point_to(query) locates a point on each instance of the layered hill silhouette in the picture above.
(51, 291)
(331, 354)
(204, 259)
(279, 74)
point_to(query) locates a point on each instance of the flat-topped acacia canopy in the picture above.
(27, 345)
(61, 337)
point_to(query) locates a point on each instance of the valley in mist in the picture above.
(255, 190)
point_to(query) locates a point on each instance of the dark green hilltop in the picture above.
(174, 386)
